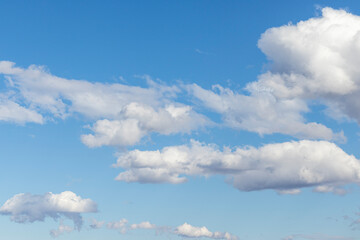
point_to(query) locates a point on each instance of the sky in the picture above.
(234, 120)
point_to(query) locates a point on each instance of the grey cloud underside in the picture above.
(285, 167)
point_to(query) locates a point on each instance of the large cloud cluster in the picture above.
(313, 62)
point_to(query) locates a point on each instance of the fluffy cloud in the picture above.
(123, 114)
(186, 230)
(25, 207)
(313, 62)
(285, 167)
(315, 59)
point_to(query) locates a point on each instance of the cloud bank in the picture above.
(185, 230)
(285, 167)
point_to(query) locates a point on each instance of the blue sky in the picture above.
(180, 120)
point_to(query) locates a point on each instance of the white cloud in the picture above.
(186, 230)
(10, 111)
(62, 97)
(315, 59)
(284, 167)
(25, 207)
(143, 225)
(137, 120)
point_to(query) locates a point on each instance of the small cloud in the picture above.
(188, 231)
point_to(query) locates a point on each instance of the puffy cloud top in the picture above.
(316, 59)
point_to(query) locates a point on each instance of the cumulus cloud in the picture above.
(285, 167)
(312, 62)
(123, 114)
(315, 59)
(26, 207)
(186, 230)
